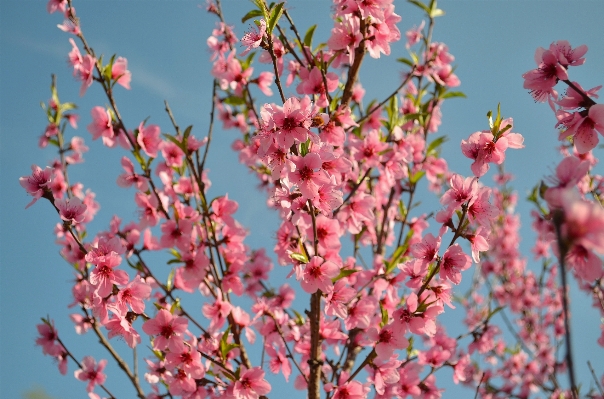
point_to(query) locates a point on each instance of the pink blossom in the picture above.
(86, 71)
(566, 55)
(453, 262)
(102, 126)
(71, 210)
(252, 38)
(149, 139)
(56, 5)
(336, 301)
(91, 372)
(251, 384)
(36, 184)
(584, 130)
(104, 275)
(168, 330)
(130, 177)
(308, 175)
(279, 361)
(541, 81)
(48, 339)
(120, 72)
(134, 294)
(427, 249)
(318, 274)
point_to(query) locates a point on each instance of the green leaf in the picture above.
(420, 5)
(68, 106)
(416, 176)
(188, 131)
(437, 12)
(299, 318)
(304, 147)
(176, 141)
(234, 100)
(299, 257)
(436, 143)
(405, 61)
(172, 261)
(170, 282)
(452, 94)
(308, 36)
(245, 64)
(252, 14)
(275, 14)
(384, 316)
(344, 273)
(495, 311)
(175, 306)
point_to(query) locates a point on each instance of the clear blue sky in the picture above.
(164, 41)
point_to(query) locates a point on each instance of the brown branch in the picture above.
(353, 71)
(120, 362)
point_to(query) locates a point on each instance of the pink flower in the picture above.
(252, 38)
(426, 250)
(120, 72)
(130, 178)
(541, 81)
(337, 300)
(308, 175)
(56, 5)
(48, 339)
(91, 373)
(36, 184)
(453, 262)
(264, 80)
(104, 275)
(318, 274)
(102, 126)
(584, 130)
(251, 384)
(149, 139)
(566, 55)
(134, 295)
(71, 210)
(387, 341)
(85, 72)
(278, 361)
(168, 330)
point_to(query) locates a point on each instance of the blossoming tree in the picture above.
(374, 272)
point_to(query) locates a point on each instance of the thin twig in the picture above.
(562, 251)
(593, 374)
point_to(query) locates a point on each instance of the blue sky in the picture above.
(164, 41)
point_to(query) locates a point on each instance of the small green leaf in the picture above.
(405, 61)
(308, 36)
(275, 14)
(420, 5)
(175, 306)
(495, 311)
(234, 100)
(187, 132)
(252, 14)
(452, 94)
(416, 176)
(299, 257)
(384, 316)
(176, 141)
(304, 147)
(344, 273)
(437, 12)
(436, 143)
(170, 282)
